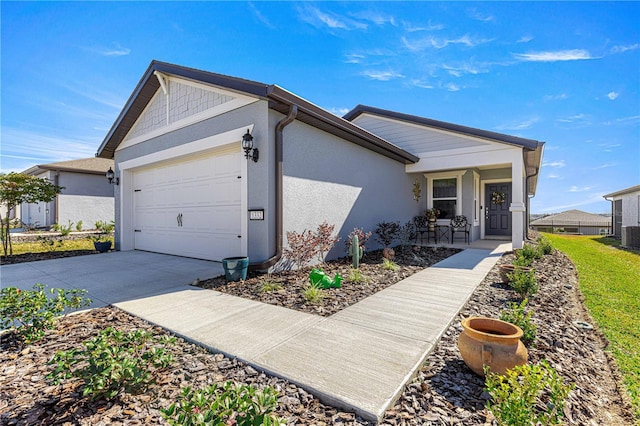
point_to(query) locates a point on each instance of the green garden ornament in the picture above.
(355, 251)
(318, 278)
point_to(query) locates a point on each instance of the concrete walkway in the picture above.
(358, 359)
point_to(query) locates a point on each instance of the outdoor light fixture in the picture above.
(247, 145)
(111, 176)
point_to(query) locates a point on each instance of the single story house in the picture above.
(574, 222)
(625, 210)
(187, 188)
(87, 195)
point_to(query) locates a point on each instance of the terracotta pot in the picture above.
(488, 341)
(508, 269)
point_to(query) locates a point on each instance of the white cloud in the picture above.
(354, 58)
(519, 125)
(622, 49)
(441, 43)
(525, 39)
(260, 16)
(609, 147)
(613, 95)
(421, 84)
(558, 97)
(554, 176)
(117, 50)
(465, 68)
(479, 16)
(338, 111)
(554, 56)
(381, 75)
(604, 166)
(375, 17)
(577, 189)
(415, 28)
(556, 164)
(319, 19)
(591, 199)
(452, 87)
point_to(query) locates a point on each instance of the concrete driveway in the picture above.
(112, 277)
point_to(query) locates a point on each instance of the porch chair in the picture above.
(422, 227)
(460, 224)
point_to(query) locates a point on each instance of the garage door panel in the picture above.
(206, 192)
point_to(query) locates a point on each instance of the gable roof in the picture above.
(442, 125)
(629, 190)
(279, 100)
(572, 217)
(91, 165)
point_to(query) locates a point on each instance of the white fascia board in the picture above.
(465, 158)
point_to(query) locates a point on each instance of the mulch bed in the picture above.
(444, 391)
(294, 282)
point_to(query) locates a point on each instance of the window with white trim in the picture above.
(444, 192)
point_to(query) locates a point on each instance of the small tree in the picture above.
(18, 188)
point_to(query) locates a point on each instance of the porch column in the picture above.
(517, 207)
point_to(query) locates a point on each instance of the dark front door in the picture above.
(497, 217)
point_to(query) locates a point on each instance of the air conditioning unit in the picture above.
(631, 236)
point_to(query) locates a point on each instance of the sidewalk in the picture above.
(358, 359)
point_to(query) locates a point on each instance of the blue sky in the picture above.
(564, 73)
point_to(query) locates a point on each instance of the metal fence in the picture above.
(573, 227)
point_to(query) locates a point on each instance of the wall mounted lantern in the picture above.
(111, 177)
(247, 146)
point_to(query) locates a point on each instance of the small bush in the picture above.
(50, 243)
(35, 311)
(270, 285)
(313, 294)
(356, 276)
(389, 265)
(387, 232)
(241, 405)
(406, 235)
(302, 247)
(544, 245)
(114, 361)
(79, 226)
(521, 261)
(523, 283)
(362, 239)
(529, 252)
(527, 395)
(325, 240)
(518, 315)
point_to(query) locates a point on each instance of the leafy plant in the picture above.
(49, 243)
(521, 261)
(432, 214)
(62, 229)
(356, 276)
(35, 311)
(389, 265)
(527, 395)
(114, 361)
(229, 404)
(104, 229)
(79, 226)
(387, 232)
(302, 247)
(325, 240)
(524, 283)
(518, 315)
(313, 293)
(529, 252)
(362, 238)
(544, 245)
(18, 188)
(406, 235)
(270, 284)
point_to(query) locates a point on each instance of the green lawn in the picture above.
(610, 282)
(38, 247)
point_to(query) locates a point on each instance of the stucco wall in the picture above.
(86, 208)
(259, 175)
(630, 209)
(85, 184)
(329, 179)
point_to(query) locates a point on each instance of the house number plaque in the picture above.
(257, 214)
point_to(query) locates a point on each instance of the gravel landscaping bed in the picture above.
(443, 392)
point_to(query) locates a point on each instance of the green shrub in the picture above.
(387, 232)
(79, 226)
(270, 284)
(356, 276)
(241, 405)
(530, 252)
(516, 314)
(544, 245)
(524, 283)
(313, 294)
(527, 395)
(389, 265)
(50, 243)
(62, 229)
(521, 261)
(31, 312)
(114, 361)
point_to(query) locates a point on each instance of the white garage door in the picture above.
(190, 208)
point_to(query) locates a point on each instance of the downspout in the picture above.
(526, 237)
(56, 205)
(293, 112)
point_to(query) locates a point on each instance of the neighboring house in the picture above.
(625, 210)
(185, 187)
(87, 195)
(574, 222)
